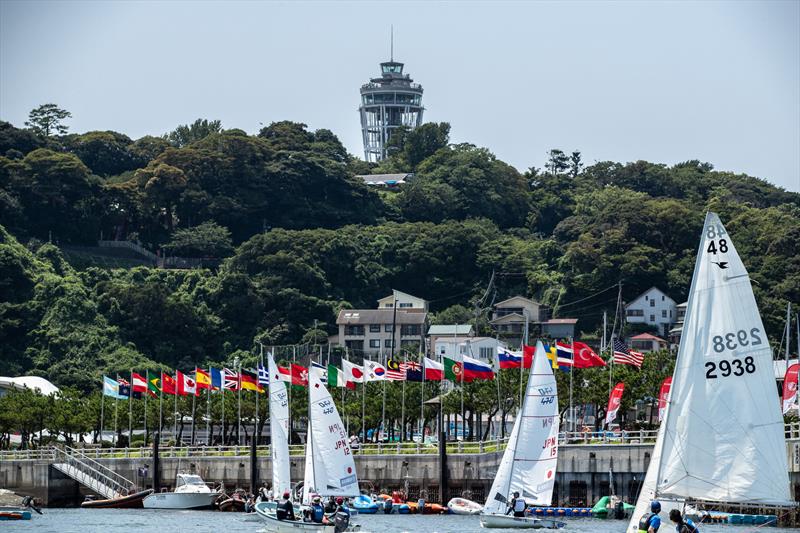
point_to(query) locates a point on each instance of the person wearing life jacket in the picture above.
(285, 509)
(317, 511)
(650, 522)
(683, 525)
(517, 505)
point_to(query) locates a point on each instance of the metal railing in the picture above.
(577, 438)
(105, 478)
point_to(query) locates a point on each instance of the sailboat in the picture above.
(330, 468)
(279, 430)
(722, 438)
(529, 462)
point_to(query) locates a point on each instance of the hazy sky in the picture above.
(621, 81)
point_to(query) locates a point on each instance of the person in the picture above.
(683, 525)
(650, 522)
(317, 511)
(342, 517)
(285, 509)
(330, 506)
(517, 505)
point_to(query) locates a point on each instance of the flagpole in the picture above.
(363, 408)
(383, 408)
(175, 413)
(160, 403)
(238, 364)
(208, 408)
(146, 394)
(130, 411)
(571, 406)
(102, 409)
(463, 424)
(193, 403)
(294, 355)
(258, 384)
(422, 404)
(403, 405)
(116, 416)
(222, 392)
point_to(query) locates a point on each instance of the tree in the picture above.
(575, 164)
(208, 239)
(557, 161)
(197, 130)
(46, 119)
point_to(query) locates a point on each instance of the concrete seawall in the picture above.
(582, 478)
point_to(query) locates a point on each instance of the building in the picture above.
(404, 301)
(647, 343)
(675, 333)
(483, 348)
(652, 307)
(559, 328)
(389, 181)
(34, 383)
(441, 331)
(387, 103)
(510, 316)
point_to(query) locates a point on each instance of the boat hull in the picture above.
(464, 506)
(180, 500)
(514, 522)
(14, 513)
(132, 501)
(266, 511)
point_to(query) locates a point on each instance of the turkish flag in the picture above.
(584, 357)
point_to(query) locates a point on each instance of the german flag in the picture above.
(202, 378)
(250, 381)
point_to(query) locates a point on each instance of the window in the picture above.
(387, 343)
(354, 345)
(635, 312)
(652, 318)
(670, 313)
(652, 303)
(354, 330)
(374, 343)
(409, 329)
(646, 298)
(374, 328)
(462, 349)
(404, 304)
(486, 352)
(387, 328)
(664, 313)
(662, 297)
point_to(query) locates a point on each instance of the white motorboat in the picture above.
(529, 462)
(464, 506)
(191, 492)
(514, 522)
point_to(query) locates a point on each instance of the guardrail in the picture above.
(578, 438)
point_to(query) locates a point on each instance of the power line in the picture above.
(614, 286)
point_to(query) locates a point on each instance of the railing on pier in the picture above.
(88, 472)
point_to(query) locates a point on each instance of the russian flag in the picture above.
(508, 359)
(564, 352)
(474, 369)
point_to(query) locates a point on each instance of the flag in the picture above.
(216, 379)
(299, 375)
(413, 371)
(202, 378)
(585, 356)
(352, 374)
(335, 377)
(138, 383)
(474, 369)
(374, 371)
(614, 401)
(230, 380)
(124, 388)
(453, 370)
(790, 387)
(564, 354)
(508, 359)
(395, 371)
(263, 375)
(433, 371)
(249, 381)
(168, 385)
(186, 385)
(284, 374)
(527, 355)
(153, 387)
(663, 397)
(625, 356)
(318, 371)
(550, 351)
(111, 388)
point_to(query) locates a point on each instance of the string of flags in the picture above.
(458, 369)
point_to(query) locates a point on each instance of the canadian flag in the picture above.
(186, 385)
(352, 374)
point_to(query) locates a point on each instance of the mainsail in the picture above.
(529, 461)
(722, 437)
(279, 430)
(308, 476)
(333, 467)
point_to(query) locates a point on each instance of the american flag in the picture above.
(625, 356)
(395, 370)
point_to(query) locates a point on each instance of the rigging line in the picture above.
(588, 297)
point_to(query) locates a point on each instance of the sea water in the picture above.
(163, 521)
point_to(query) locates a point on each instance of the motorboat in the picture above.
(464, 506)
(191, 492)
(131, 501)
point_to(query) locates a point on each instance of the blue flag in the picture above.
(111, 388)
(216, 378)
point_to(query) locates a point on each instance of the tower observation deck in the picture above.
(387, 103)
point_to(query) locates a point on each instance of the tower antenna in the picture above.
(391, 45)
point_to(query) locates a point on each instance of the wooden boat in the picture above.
(131, 501)
(233, 503)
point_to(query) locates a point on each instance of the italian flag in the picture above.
(335, 377)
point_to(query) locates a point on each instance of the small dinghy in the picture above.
(464, 506)
(14, 513)
(364, 505)
(131, 501)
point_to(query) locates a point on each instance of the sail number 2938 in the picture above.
(732, 341)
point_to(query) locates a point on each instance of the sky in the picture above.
(622, 81)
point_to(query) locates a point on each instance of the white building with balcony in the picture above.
(652, 307)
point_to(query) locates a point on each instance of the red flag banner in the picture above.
(299, 375)
(614, 401)
(663, 397)
(527, 355)
(138, 383)
(186, 385)
(790, 387)
(584, 357)
(168, 385)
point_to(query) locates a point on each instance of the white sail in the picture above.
(529, 462)
(724, 436)
(279, 430)
(334, 470)
(308, 476)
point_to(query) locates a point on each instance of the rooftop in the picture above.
(381, 316)
(554, 321)
(29, 382)
(450, 329)
(647, 337)
(385, 179)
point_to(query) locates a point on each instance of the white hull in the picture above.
(266, 511)
(513, 522)
(180, 500)
(464, 506)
